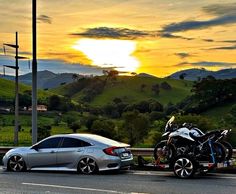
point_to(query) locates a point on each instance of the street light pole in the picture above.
(17, 96)
(34, 73)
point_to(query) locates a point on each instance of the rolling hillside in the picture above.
(7, 89)
(129, 90)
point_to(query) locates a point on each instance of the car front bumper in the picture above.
(4, 161)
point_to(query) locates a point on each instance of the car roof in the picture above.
(93, 137)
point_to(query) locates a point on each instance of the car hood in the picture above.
(18, 150)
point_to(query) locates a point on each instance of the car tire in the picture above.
(184, 167)
(87, 165)
(16, 164)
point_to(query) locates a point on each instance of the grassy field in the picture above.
(129, 90)
(8, 89)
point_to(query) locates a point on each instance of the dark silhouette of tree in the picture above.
(75, 126)
(136, 126)
(182, 76)
(156, 89)
(142, 87)
(133, 73)
(110, 74)
(166, 86)
(75, 77)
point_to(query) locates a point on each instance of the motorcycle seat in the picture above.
(202, 137)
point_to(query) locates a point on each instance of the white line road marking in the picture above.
(80, 188)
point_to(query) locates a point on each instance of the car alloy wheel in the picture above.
(87, 166)
(183, 167)
(16, 164)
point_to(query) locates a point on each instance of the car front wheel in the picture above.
(16, 164)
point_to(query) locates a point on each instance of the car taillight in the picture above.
(111, 151)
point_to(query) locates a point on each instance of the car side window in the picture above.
(73, 143)
(50, 143)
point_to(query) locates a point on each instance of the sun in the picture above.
(115, 54)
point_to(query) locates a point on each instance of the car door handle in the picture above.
(52, 152)
(79, 150)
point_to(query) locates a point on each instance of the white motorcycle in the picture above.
(185, 147)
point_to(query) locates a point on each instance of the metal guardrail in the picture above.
(4, 150)
(149, 151)
(135, 151)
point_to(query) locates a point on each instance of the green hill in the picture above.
(7, 89)
(128, 89)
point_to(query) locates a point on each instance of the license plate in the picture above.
(125, 154)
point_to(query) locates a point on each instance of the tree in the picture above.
(105, 128)
(54, 102)
(182, 76)
(75, 77)
(166, 86)
(142, 87)
(156, 89)
(75, 126)
(43, 131)
(233, 111)
(136, 126)
(110, 74)
(133, 73)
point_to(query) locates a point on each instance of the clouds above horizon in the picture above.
(223, 48)
(44, 19)
(124, 33)
(207, 64)
(117, 33)
(226, 14)
(183, 55)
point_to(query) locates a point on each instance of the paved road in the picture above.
(123, 182)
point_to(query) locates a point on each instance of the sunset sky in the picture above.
(158, 37)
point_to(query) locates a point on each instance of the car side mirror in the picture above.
(35, 147)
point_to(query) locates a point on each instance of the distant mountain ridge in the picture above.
(195, 74)
(46, 79)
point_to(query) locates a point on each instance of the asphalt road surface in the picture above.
(113, 182)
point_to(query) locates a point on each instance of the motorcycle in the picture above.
(189, 140)
(220, 136)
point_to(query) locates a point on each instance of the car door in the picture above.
(70, 150)
(43, 155)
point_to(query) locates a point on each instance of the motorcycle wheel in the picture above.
(219, 152)
(159, 145)
(228, 149)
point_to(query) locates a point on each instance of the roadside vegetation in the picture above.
(129, 109)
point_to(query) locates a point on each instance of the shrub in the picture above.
(75, 126)
(43, 131)
(105, 128)
(166, 86)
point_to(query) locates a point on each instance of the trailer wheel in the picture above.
(184, 167)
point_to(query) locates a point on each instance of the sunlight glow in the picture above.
(109, 53)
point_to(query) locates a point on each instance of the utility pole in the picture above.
(16, 67)
(34, 73)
